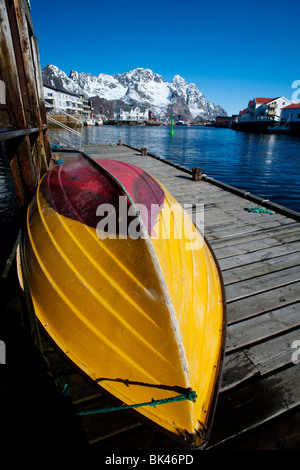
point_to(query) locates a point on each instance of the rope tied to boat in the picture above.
(59, 377)
(189, 395)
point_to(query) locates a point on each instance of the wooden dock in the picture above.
(41, 394)
(259, 402)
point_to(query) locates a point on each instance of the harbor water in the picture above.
(10, 213)
(267, 165)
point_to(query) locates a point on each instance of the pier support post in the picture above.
(196, 174)
(120, 142)
(143, 151)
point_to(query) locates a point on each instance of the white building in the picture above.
(263, 109)
(73, 104)
(131, 113)
(291, 113)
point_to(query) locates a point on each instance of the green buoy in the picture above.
(172, 132)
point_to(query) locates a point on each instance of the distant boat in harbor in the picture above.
(94, 122)
(182, 123)
(279, 129)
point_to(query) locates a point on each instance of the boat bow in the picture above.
(136, 304)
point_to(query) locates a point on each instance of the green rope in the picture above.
(64, 375)
(260, 210)
(190, 395)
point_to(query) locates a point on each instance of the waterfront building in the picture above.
(260, 113)
(86, 111)
(221, 121)
(290, 117)
(131, 113)
(291, 113)
(263, 109)
(56, 100)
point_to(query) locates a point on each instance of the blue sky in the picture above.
(232, 50)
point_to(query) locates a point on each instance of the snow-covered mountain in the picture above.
(140, 86)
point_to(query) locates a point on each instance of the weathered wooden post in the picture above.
(120, 142)
(22, 107)
(143, 151)
(197, 174)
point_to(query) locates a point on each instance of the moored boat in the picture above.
(128, 290)
(279, 129)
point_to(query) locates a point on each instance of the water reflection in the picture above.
(9, 207)
(266, 165)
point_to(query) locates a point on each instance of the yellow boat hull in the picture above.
(142, 317)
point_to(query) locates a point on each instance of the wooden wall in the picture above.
(23, 124)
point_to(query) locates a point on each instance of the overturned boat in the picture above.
(129, 290)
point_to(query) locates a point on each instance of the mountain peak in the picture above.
(139, 74)
(138, 86)
(54, 70)
(56, 78)
(178, 80)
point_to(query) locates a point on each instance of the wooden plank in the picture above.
(259, 255)
(26, 164)
(279, 233)
(255, 404)
(258, 360)
(124, 428)
(8, 71)
(246, 248)
(240, 226)
(20, 70)
(27, 66)
(280, 434)
(253, 330)
(275, 354)
(38, 79)
(263, 302)
(262, 283)
(291, 238)
(238, 368)
(241, 273)
(18, 182)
